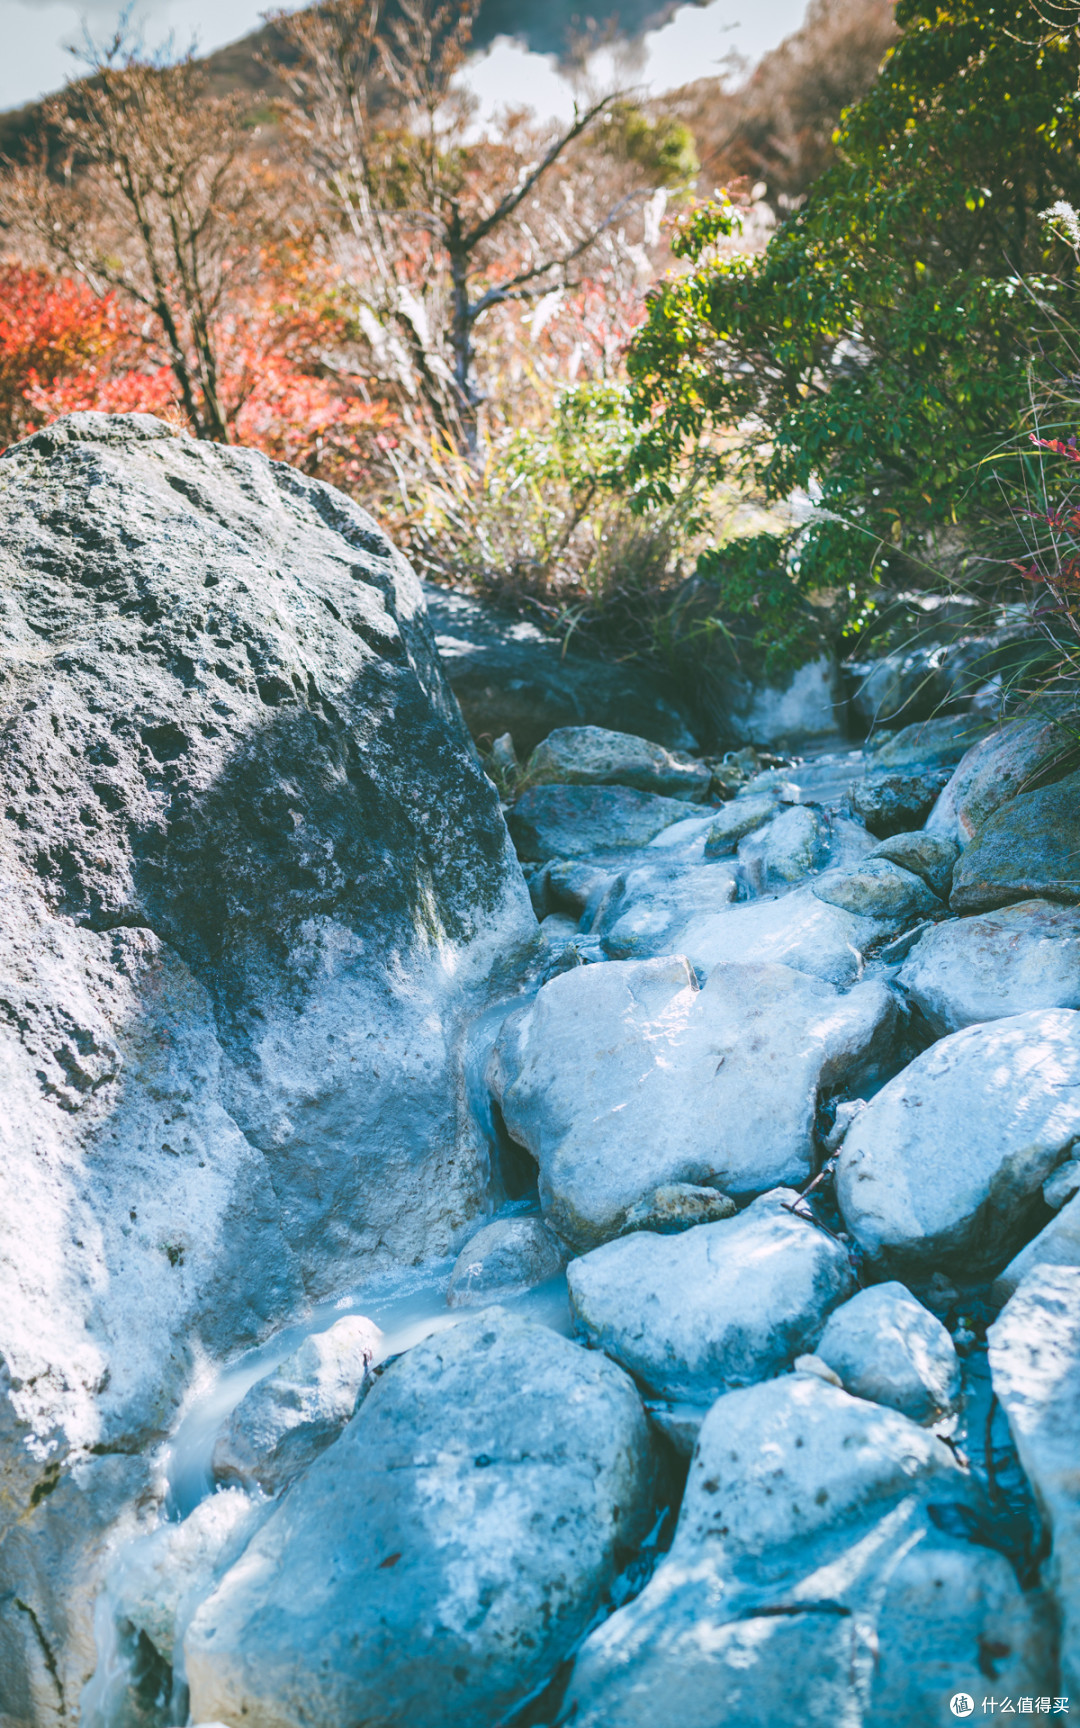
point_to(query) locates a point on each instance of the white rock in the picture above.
(1035, 1366)
(996, 964)
(945, 1166)
(646, 905)
(623, 1077)
(447, 1553)
(292, 1414)
(880, 890)
(159, 1580)
(719, 1306)
(505, 1258)
(1057, 1244)
(786, 850)
(807, 1584)
(887, 1347)
(1062, 1185)
(734, 821)
(797, 930)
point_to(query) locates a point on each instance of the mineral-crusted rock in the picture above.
(446, 1553)
(503, 1259)
(808, 1582)
(1015, 758)
(1035, 1366)
(291, 1415)
(620, 1078)
(886, 1346)
(254, 882)
(1000, 963)
(925, 855)
(572, 821)
(1029, 849)
(719, 1306)
(944, 1168)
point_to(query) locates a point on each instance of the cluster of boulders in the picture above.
(792, 1049)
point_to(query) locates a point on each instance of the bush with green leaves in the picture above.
(876, 353)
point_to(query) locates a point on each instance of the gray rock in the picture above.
(1015, 758)
(880, 890)
(895, 802)
(1002, 963)
(291, 1415)
(735, 821)
(621, 1078)
(592, 756)
(572, 821)
(254, 886)
(503, 1259)
(887, 1347)
(785, 851)
(1057, 1244)
(808, 1584)
(936, 743)
(509, 677)
(1035, 1367)
(678, 1206)
(1030, 849)
(905, 684)
(926, 855)
(945, 1166)
(447, 1552)
(719, 1306)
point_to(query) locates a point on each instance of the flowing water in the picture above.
(132, 1685)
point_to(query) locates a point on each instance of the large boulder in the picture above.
(1029, 849)
(509, 677)
(593, 756)
(806, 705)
(1035, 1366)
(622, 1077)
(1002, 963)
(1015, 758)
(447, 1553)
(945, 1166)
(719, 1306)
(809, 1581)
(255, 884)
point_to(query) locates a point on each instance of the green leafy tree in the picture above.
(875, 354)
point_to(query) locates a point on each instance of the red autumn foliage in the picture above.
(64, 349)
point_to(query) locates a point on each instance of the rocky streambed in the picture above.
(610, 1259)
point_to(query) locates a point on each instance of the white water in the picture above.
(407, 1306)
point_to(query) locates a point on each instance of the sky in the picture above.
(697, 41)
